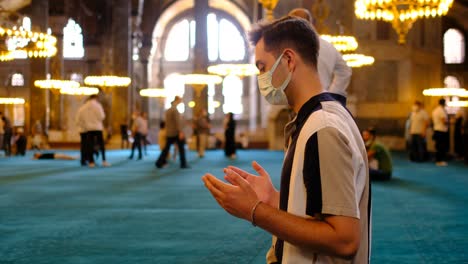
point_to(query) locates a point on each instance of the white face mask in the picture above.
(273, 95)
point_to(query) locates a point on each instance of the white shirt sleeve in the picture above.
(333, 71)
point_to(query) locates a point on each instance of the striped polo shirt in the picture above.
(325, 172)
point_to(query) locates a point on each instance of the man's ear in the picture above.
(291, 57)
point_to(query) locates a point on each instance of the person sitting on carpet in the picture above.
(53, 155)
(380, 160)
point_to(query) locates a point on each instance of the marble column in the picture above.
(39, 104)
(201, 9)
(144, 56)
(121, 63)
(57, 112)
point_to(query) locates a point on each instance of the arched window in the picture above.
(72, 41)
(454, 47)
(232, 89)
(452, 82)
(225, 41)
(17, 79)
(174, 86)
(177, 44)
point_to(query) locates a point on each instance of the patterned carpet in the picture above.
(58, 212)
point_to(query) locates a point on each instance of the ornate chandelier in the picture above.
(199, 81)
(240, 70)
(401, 13)
(347, 45)
(11, 100)
(269, 5)
(356, 60)
(341, 42)
(56, 84)
(18, 41)
(82, 90)
(459, 92)
(153, 92)
(108, 81)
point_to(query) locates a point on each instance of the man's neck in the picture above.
(307, 85)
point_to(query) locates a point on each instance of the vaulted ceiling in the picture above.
(95, 16)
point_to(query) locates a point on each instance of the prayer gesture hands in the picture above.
(244, 191)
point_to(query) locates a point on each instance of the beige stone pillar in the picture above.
(201, 51)
(39, 104)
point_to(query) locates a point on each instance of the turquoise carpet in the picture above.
(58, 212)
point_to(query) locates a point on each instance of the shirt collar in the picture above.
(312, 105)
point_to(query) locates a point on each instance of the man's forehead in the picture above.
(260, 53)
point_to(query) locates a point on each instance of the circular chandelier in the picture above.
(56, 84)
(401, 13)
(459, 92)
(107, 81)
(457, 104)
(358, 60)
(342, 43)
(153, 92)
(199, 81)
(83, 90)
(11, 100)
(346, 45)
(202, 79)
(234, 69)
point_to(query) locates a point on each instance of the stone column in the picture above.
(121, 63)
(57, 112)
(144, 56)
(201, 51)
(39, 104)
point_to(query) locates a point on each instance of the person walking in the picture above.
(174, 134)
(137, 132)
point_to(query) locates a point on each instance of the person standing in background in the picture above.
(8, 133)
(459, 142)
(441, 135)
(419, 121)
(94, 116)
(230, 136)
(202, 126)
(80, 122)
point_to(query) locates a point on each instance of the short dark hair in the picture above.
(372, 131)
(442, 101)
(288, 32)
